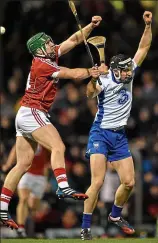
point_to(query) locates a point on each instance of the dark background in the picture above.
(72, 113)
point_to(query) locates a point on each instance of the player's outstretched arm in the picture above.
(146, 39)
(76, 73)
(77, 37)
(11, 160)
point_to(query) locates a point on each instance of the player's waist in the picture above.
(116, 128)
(110, 126)
(113, 128)
(35, 106)
(36, 172)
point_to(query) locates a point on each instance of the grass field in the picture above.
(129, 240)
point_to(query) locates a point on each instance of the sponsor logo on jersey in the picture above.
(117, 89)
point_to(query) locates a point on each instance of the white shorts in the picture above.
(28, 120)
(35, 183)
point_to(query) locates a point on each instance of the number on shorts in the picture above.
(123, 97)
(28, 85)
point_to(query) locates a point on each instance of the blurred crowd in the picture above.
(72, 113)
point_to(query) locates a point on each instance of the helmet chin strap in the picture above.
(45, 55)
(50, 56)
(117, 77)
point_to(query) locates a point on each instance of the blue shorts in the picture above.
(113, 144)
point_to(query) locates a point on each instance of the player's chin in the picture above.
(126, 80)
(52, 56)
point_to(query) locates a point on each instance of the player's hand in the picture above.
(103, 69)
(94, 72)
(96, 20)
(4, 168)
(147, 16)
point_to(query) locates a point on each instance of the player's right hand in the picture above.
(94, 72)
(147, 16)
(96, 20)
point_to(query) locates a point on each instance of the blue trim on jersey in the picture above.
(113, 78)
(137, 67)
(100, 108)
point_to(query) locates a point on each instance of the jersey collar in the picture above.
(113, 78)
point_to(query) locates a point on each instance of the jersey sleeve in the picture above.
(135, 66)
(48, 70)
(57, 50)
(102, 82)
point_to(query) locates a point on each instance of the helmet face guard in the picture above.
(38, 41)
(121, 63)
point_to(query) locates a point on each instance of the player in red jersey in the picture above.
(31, 186)
(32, 124)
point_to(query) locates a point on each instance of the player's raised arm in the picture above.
(75, 74)
(77, 37)
(93, 89)
(146, 39)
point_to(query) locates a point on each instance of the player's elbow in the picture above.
(144, 50)
(74, 40)
(89, 94)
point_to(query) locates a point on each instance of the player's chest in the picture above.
(114, 89)
(117, 93)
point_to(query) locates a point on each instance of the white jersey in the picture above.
(114, 102)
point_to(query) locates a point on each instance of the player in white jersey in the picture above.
(107, 138)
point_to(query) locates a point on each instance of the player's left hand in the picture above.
(147, 16)
(96, 20)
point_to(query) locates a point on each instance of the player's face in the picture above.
(50, 48)
(125, 74)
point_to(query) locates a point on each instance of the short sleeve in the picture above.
(47, 69)
(57, 52)
(135, 66)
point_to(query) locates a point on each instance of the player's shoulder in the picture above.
(44, 62)
(44, 65)
(135, 66)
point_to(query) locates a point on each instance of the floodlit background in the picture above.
(72, 113)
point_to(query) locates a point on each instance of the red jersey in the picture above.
(41, 87)
(41, 159)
